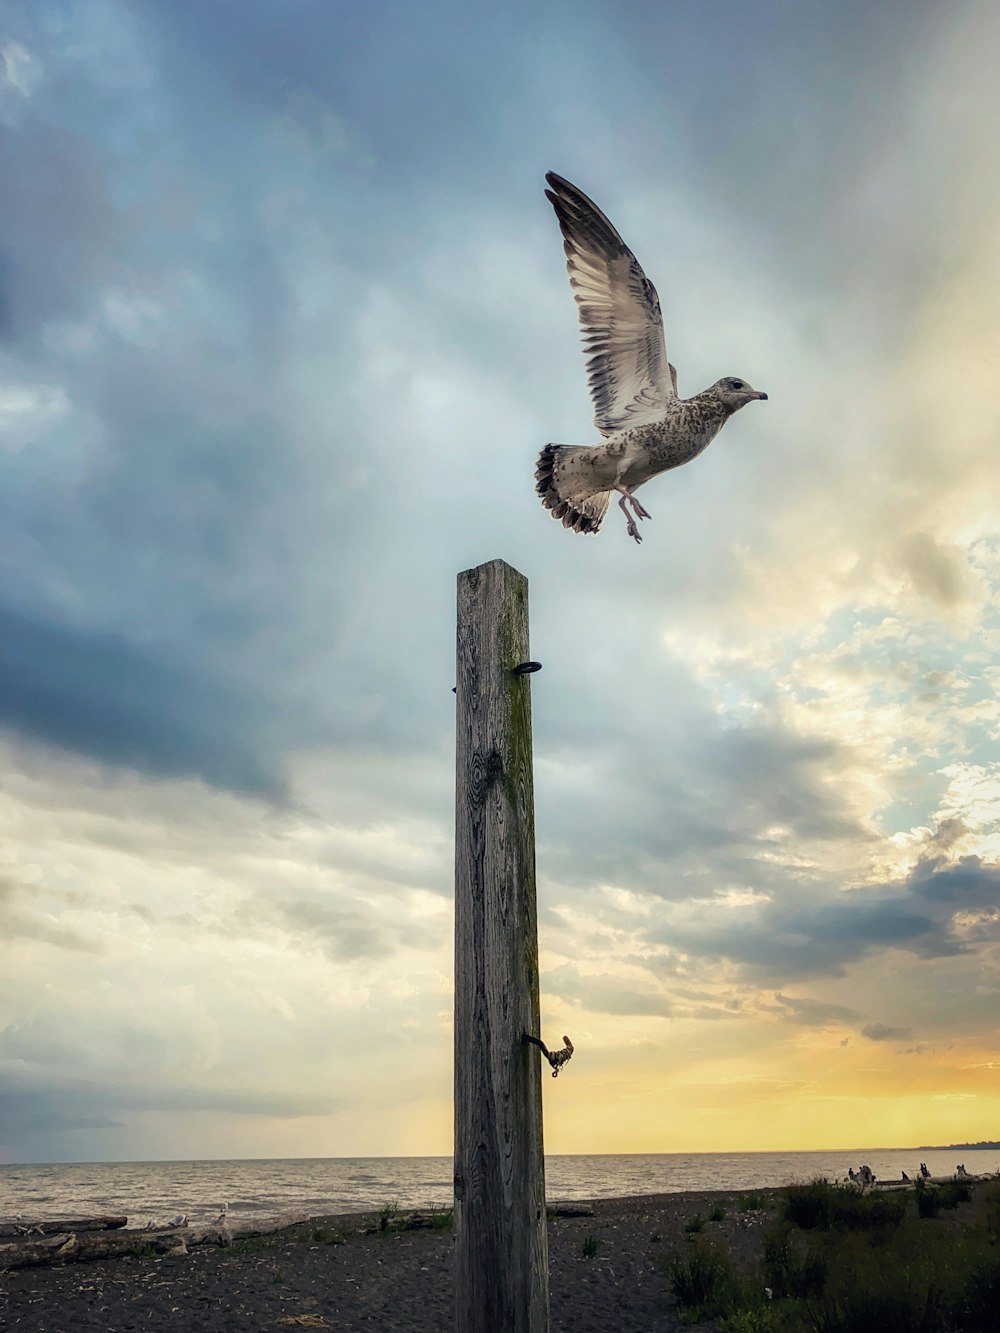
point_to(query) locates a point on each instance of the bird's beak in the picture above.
(762, 397)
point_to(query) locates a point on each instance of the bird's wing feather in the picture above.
(630, 378)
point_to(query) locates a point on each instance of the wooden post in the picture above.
(501, 1252)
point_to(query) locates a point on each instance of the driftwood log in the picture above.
(50, 1227)
(31, 1251)
(74, 1246)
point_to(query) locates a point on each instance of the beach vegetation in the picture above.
(705, 1281)
(949, 1194)
(694, 1224)
(390, 1219)
(141, 1249)
(754, 1201)
(991, 1211)
(791, 1265)
(717, 1213)
(837, 1261)
(590, 1246)
(759, 1319)
(823, 1205)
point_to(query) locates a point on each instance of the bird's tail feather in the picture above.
(581, 513)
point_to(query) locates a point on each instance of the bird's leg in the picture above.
(633, 531)
(640, 512)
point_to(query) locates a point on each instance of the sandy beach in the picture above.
(393, 1280)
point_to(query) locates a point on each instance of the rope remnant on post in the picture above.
(555, 1058)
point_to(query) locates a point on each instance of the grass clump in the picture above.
(753, 1202)
(254, 1244)
(717, 1213)
(141, 1249)
(825, 1206)
(791, 1265)
(990, 1204)
(760, 1319)
(932, 1198)
(837, 1261)
(694, 1224)
(590, 1247)
(705, 1281)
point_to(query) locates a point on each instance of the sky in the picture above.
(284, 322)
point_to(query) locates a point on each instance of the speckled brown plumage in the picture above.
(648, 429)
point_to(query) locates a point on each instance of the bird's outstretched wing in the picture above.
(630, 378)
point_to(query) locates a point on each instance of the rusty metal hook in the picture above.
(555, 1058)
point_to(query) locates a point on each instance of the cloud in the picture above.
(791, 940)
(967, 882)
(813, 1013)
(59, 231)
(354, 930)
(95, 693)
(604, 994)
(21, 919)
(54, 1106)
(885, 1032)
(940, 572)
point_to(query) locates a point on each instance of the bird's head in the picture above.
(735, 393)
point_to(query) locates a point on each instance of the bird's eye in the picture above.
(736, 384)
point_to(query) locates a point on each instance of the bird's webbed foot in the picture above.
(640, 512)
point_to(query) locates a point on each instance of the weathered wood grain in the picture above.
(500, 1237)
(53, 1227)
(78, 1247)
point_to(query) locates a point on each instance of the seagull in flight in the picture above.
(647, 427)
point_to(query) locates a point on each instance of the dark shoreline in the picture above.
(397, 1280)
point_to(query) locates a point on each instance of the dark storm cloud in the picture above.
(967, 882)
(29, 1112)
(266, 546)
(235, 533)
(37, 1106)
(800, 941)
(99, 695)
(793, 937)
